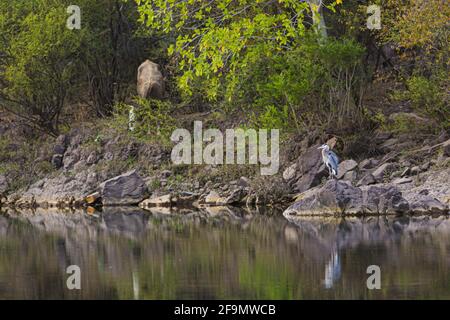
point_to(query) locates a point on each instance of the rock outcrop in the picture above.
(307, 172)
(340, 197)
(126, 189)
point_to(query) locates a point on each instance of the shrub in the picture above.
(152, 119)
(428, 98)
(315, 82)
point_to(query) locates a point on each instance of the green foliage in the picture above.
(36, 66)
(153, 121)
(315, 80)
(273, 118)
(215, 41)
(428, 97)
(18, 162)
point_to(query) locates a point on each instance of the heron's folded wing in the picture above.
(334, 160)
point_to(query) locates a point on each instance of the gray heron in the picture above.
(330, 159)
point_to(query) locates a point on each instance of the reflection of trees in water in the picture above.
(214, 253)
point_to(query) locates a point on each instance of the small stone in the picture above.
(405, 172)
(425, 166)
(57, 160)
(289, 173)
(389, 144)
(108, 156)
(415, 170)
(166, 174)
(92, 158)
(402, 180)
(243, 182)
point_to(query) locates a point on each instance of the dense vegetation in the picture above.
(308, 67)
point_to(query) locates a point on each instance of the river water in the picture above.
(221, 253)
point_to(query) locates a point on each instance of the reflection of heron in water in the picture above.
(332, 269)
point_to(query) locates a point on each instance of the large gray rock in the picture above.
(340, 197)
(427, 204)
(382, 171)
(310, 170)
(346, 166)
(126, 189)
(368, 164)
(366, 180)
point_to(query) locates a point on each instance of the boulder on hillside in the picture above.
(346, 166)
(382, 171)
(309, 170)
(366, 180)
(340, 197)
(126, 189)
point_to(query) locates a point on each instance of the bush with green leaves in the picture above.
(317, 82)
(37, 67)
(217, 40)
(429, 97)
(151, 121)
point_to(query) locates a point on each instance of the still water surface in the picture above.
(221, 254)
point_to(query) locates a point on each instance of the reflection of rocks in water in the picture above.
(325, 233)
(220, 253)
(4, 224)
(128, 222)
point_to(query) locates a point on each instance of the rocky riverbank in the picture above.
(91, 173)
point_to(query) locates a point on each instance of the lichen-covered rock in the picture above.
(126, 189)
